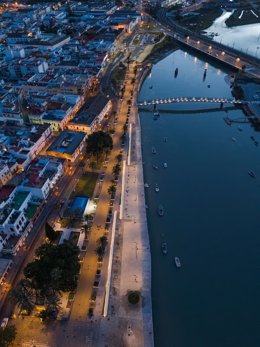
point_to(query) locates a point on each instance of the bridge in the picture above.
(221, 101)
(212, 49)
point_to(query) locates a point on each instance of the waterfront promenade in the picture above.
(126, 324)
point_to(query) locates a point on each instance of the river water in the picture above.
(211, 216)
(245, 38)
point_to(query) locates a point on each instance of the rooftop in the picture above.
(67, 142)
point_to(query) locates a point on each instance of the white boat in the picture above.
(177, 262)
(165, 165)
(157, 188)
(153, 150)
(234, 139)
(155, 167)
(146, 185)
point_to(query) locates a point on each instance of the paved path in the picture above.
(128, 325)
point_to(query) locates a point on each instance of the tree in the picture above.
(100, 250)
(50, 233)
(7, 335)
(111, 190)
(98, 143)
(55, 268)
(23, 295)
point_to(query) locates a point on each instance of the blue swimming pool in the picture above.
(79, 204)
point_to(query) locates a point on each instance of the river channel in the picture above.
(212, 209)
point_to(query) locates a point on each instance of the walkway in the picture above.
(196, 99)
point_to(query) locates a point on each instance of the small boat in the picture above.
(155, 167)
(146, 185)
(234, 139)
(156, 114)
(227, 120)
(256, 143)
(153, 150)
(251, 174)
(160, 210)
(165, 165)
(151, 87)
(208, 85)
(165, 139)
(240, 128)
(164, 248)
(252, 138)
(177, 262)
(157, 188)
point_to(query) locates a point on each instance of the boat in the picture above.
(252, 174)
(177, 262)
(165, 139)
(153, 150)
(146, 185)
(157, 188)
(256, 143)
(160, 210)
(227, 121)
(240, 128)
(151, 87)
(252, 138)
(165, 165)
(155, 167)
(234, 139)
(164, 248)
(156, 114)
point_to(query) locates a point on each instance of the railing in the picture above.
(196, 99)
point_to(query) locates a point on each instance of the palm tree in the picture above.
(23, 295)
(111, 190)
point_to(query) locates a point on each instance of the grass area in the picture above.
(86, 185)
(165, 43)
(202, 21)
(117, 76)
(247, 18)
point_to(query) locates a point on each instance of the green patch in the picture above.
(86, 185)
(31, 210)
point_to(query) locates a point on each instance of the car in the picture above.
(4, 322)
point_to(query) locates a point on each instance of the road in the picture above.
(215, 50)
(35, 238)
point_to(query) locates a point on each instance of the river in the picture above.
(211, 216)
(245, 38)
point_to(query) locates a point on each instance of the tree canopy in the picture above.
(50, 233)
(7, 335)
(56, 268)
(98, 143)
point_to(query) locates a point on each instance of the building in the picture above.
(68, 145)
(89, 118)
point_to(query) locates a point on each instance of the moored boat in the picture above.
(165, 165)
(164, 248)
(177, 262)
(155, 167)
(160, 210)
(157, 188)
(153, 150)
(251, 174)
